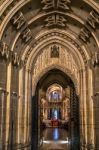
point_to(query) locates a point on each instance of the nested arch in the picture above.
(46, 69)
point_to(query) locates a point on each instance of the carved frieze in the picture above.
(55, 4)
(65, 37)
(20, 23)
(63, 4)
(48, 4)
(56, 20)
(93, 19)
(18, 20)
(84, 34)
(26, 35)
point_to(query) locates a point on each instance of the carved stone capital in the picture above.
(95, 60)
(15, 95)
(95, 98)
(15, 59)
(4, 50)
(2, 90)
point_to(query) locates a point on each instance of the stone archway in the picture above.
(47, 79)
(82, 82)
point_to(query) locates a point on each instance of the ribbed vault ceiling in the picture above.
(24, 22)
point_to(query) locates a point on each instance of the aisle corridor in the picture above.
(55, 139)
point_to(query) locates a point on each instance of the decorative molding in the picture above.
(44, 60)
(56, 20)
(64, 36)
(91, 22)
(48, 4)
(95, 60)
(93, 19)
(63, 4)
(26, 35)
(7, 54)
(18, 20)
(84, 34)
(4, 50)
(20, 23)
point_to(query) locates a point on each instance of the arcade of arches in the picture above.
(49, 74)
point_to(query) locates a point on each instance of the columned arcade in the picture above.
(49, 75)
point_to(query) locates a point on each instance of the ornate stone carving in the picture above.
(26, 35)
(95, 60)
(18, 20)
(48, 4)
(65, 37)
(54, 51)
(56, 20)
(44, 60)
(4, 50)
(63, 4)
(84, 34)
(15, 59)
(20, 23)
(93, 19)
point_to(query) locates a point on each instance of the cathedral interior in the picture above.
(49, 74)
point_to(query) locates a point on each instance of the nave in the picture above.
(49, 74)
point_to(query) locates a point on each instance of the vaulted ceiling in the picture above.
(26, 23)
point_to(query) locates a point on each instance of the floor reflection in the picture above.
(55, 139)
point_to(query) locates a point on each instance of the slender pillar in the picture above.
(20, 106)
(96, 100)
(13, 122)
(3, 95)
(27, 107)
(8, 102)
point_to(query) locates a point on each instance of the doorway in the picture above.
(55, 113)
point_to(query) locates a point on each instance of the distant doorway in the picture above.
(55, 113)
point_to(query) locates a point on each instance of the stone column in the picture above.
(3, 94)
(96, 100)
(13, 121)
(27, 108)
(20, 107)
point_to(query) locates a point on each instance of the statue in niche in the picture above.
(55, 51)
